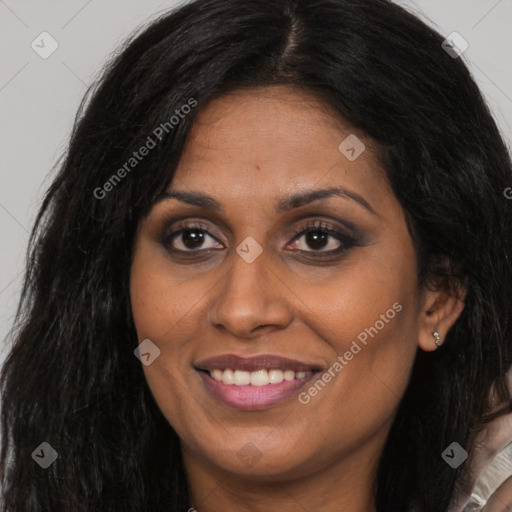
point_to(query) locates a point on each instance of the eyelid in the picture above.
(322, 224)
(340, 233)
(345, 240)
(183, 223)
(188, 224)
(191, 219)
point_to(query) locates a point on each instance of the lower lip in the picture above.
(252, 397)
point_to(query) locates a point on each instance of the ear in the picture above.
(439, 311)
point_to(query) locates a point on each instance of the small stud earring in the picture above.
(438, 338)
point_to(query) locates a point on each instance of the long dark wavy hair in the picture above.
(71, 378)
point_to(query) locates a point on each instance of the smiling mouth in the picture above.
(256, 378)
(254, 383)
(250, 396)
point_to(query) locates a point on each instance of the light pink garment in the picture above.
(494, 475)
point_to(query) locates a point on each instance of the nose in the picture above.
(250, 299)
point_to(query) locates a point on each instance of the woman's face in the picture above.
(243, 288)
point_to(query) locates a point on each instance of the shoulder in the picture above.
(494, 475)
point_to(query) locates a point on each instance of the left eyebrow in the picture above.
(303, 198)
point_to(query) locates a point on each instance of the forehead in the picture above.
(261, 143)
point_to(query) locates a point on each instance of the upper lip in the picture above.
(254, 363)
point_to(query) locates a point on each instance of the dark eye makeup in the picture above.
(316, 239)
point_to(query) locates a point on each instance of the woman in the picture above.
(293, 214)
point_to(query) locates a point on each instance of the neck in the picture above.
(344, 485)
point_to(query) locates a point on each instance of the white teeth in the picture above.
(259, 378)
(289, 375)
(242, 378)
(256, 378)
(275, 376)
(228, 377)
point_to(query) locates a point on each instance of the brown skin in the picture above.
(247, 150)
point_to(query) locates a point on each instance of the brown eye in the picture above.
(322, 239)
(191, 239)
(318, 239)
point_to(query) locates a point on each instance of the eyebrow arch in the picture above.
(303, 198)
(284, 204)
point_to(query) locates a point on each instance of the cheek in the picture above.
(373, 297)
(373, 353)
(368, 314)
(169, 313)
(162, 305)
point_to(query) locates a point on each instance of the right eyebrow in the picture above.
(194, 198)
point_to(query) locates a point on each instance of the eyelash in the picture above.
(347, 241)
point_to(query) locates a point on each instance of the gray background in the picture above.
(39, 97)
